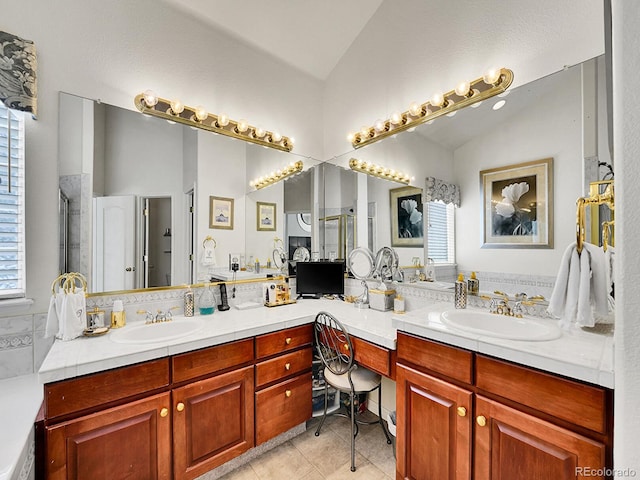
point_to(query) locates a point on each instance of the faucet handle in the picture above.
(495, 304)
(517, 310)
(149, 318)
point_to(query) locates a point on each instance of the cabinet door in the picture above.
(213, 422)
(511, 445)
(132, 441)
(433, 428)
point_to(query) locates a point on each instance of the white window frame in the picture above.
(15, 150)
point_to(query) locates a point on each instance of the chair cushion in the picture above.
(364, 380)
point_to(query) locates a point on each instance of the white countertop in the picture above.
(577, 354)
(89, 355)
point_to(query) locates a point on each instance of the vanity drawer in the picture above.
(283, 406)
(574, 402)
(98, 389)
(371, 356)
(191, 365)
(283, 340)
(450, 361)
(283, 366)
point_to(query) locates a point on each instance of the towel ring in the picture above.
(209, 238)
(68, 282)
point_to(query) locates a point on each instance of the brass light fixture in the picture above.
(274, 177)
(492, 83)
(197, 117)
(378, 171)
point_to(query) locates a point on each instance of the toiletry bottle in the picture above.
(398, 304)
(206, 302)
(473, 284)
(117, 315)
(461, 292)
(188, 303)
(257, 266)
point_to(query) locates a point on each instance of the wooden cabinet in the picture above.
(132, 441)
(463, 415)
(433, 428)
(283, 381)
(212, 422)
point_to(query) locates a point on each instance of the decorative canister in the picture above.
(461, 293)
(188, 304)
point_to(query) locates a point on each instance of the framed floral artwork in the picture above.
(265, 217)
(517, 205)
(221, 212)
(407, 228)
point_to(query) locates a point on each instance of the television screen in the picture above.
(314, 279)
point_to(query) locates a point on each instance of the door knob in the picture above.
(130, 269)
(462, 411)
(481, 420)
(180, 407)
(164, 412)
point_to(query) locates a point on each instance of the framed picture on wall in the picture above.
(517, 205)
(265, 217)
(407, 229)
(221, 212)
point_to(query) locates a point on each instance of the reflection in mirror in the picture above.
(139, 189)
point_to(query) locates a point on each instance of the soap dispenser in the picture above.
(473, 284)
(461, 292)
(206, 302)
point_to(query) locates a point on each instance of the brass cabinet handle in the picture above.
(164, 412)
(287, 340)
(287, 393)
(462, 412)
(287, 366)
(346, 347)
(481, 420)
(180, 407)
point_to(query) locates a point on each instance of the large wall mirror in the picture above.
(138, 199)
(562, 116)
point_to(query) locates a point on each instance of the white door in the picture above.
(114, 243)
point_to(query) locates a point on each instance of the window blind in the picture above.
(440, 232)
(12, 254)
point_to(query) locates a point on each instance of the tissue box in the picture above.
(381, 300)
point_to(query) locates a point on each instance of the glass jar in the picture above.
(207, 301)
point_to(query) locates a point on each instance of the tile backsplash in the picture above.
(22, 344)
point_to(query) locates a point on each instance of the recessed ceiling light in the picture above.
(499, 105)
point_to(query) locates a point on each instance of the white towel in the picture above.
(208, 257)
(580, 294)
(67, 315)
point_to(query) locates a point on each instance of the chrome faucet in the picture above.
(501, 306)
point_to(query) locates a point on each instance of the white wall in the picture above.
(117, 49)
(411, 49)
(626, 88)
(550, 128)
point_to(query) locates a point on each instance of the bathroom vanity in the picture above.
(467, 406)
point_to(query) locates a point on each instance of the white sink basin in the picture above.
(157, 332)
(501, 326)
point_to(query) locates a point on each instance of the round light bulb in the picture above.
(223, 119)
(177, 107)
(150, 98)
(201, 113)
(491, 76)
(259, 132)
(379, 125)
(276, 137)
(437, 100)
(252, 183)
(415, 109)
(462, 89)
(292, 140)
(350, 137)
(396, 118)
(364, 131)
(242, 125)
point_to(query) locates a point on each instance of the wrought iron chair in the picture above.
(335, 350)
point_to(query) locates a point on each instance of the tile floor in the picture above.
(307, 457)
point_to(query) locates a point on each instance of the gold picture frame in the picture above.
(265, 217)
(407, 226)
(221, 213)
(517, 205)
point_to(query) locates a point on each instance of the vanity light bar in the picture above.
(465, 94)
(197, 117)
(378, 171)
(274, 177)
